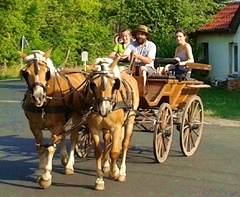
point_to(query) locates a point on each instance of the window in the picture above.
(205, 53)
(233, 54)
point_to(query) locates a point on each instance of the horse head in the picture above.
(105, 80)
(37, 73)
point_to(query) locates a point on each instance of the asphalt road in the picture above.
(214, 170)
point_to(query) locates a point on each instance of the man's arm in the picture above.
(143, 59)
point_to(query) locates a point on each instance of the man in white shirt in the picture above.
(143, 51)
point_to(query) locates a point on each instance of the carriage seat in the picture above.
(161, 62)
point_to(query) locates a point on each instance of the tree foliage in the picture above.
(165, 17)
(89, 25)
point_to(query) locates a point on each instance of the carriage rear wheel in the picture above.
(163, 133)
(191, 126)
(84, 144)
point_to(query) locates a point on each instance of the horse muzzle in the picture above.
(38, 96)
(104, 108)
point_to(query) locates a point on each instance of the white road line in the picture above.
(9, 101)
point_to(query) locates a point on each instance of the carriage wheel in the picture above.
(163, 133)
(191, 126)
(84, 145)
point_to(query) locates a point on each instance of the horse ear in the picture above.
(48, 53)
(114, 63)
(22, 54)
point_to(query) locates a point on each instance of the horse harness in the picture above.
(126, 104)
(37, 61)
(46, 108)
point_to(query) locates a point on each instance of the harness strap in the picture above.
(128, 100)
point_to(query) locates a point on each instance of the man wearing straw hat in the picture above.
(143, 51)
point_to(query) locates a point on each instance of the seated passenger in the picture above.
(124, 39)
(143, 52)
(183, 54)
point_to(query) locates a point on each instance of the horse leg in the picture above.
(57, 136)
(107, 147)
(38, 135)
(69, 169)
(63, 151)
(99, 183)
(125, 146)
(45, 180)
(114, 154)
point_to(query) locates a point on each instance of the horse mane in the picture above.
(40, 57)
(106, 62)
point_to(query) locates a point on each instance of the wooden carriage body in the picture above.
(165, 102)
(161, 89)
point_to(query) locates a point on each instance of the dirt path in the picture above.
(221, 122)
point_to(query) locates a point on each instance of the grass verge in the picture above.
(9, 72)
(221, 103)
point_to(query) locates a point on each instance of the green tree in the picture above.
(165, 17)
(89, 25)
(12, 26)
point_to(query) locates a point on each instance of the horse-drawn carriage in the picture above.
(108, 102)
(164, 102)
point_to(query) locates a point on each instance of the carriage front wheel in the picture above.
(191, 126)
(163, 133)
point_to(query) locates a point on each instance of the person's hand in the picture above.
(135, 55)
(123, 56)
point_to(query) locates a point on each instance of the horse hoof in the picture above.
(114, 175)
(44, 183)
(122, 178)
(69, 171)
(99, 185)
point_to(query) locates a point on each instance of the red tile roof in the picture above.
(226, 20)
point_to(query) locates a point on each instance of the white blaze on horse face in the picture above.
(104, 108)
(38, 92)
(38, 96)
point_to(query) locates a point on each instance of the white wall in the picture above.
(219, 52)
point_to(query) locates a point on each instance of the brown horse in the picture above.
(112, 100)
(48, 104)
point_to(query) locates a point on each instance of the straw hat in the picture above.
(144, 29)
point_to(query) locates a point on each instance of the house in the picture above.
(220, 39)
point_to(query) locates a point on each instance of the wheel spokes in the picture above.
(163, 133)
